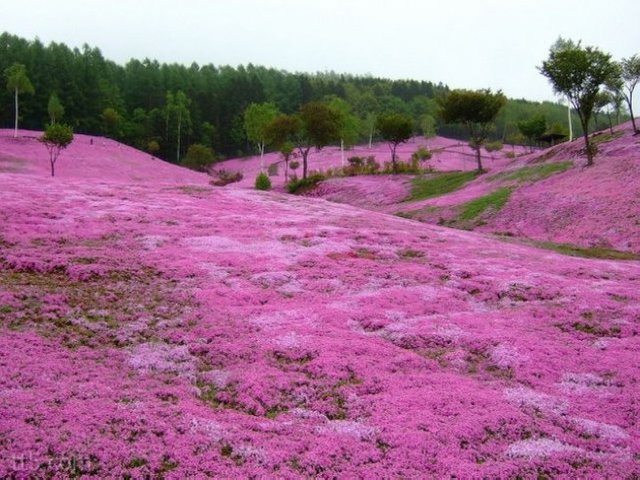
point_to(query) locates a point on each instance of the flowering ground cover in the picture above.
(553, 196)
(160, 327)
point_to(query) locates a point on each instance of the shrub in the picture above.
(272, 170)
(263, 182)
(198, 157)
(294, 165)
(304, 184)
(510, 154)
(421, 154)
(356, 162)
(493, 146)
(403, 167)
(224, 177)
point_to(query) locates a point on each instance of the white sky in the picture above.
(462, 43)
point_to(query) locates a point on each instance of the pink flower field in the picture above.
(153, 326)
(588, 207)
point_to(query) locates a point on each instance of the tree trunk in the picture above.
(178, 149)
(630, 104)
(570, 122)
(587, 144)
(261, 149)
(15, 132)
(610, 123)
(370, 138)
(305, 155)
(478, 157)
(342, 152)
(393, 159)
(286, 170)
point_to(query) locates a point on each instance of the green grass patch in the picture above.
(588, 252)
(495, 200)
(439, 184)
(600, 138)
(533, 173)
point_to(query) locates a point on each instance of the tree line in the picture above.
(166, 108)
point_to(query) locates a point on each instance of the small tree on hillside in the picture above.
(395, 129)
(315, 125)
(349, 124)
(533, 128)
(177, 109)
(630, 77)
(55, 108)
(56, 138)
(256, 119)
(18, 82)
(579, 72)
(476, 110)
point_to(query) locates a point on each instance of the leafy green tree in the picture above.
(18, 82)
(111, 122)
(476, 109)
(349, 123)
(315, 125)
(533, 128)
(177, 111)
(395, 129)
(579, 72)
(199, 157)
(281, 133)
(55, 108)
(428, 126)
(56, 138)
(630, 77)
(256, 119)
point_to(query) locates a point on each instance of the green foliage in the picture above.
(629, 69)
(533, 173)
(111, 122)
(587, 252)
(422, 154)
(428, 126)
(349, 123)
(55, 108)
(199, 157)
(153, 147)
(533, 128)
(494, 146)
(17, 79)
(395, 128)
(257, 118)
(272, 170)
(263, 182)
(495, 201)
(56, 138)
(304, 184)
(476, 110)
(439, 184)
(578, 73)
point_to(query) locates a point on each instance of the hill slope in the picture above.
(551, 195)
(184, 331)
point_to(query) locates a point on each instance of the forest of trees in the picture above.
(165, 108)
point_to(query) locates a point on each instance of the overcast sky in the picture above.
(462, 43)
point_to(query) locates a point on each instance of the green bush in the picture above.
(493, 146)
(421, 154)
(303, 184)
(199, 157)
(263, 182)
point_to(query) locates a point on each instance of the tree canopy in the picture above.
(395, 129)
(56, 138)
(578, 73)
(476, 109)
(18, 82)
